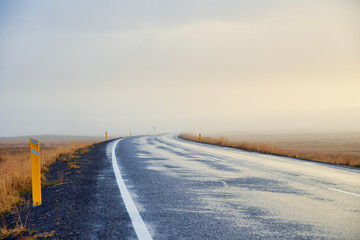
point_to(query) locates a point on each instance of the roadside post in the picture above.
(35, 171)
(105, 135)
(199, 137)
(130, 134)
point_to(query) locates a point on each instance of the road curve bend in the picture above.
(186, 190)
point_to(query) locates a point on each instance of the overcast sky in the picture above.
(83, 67)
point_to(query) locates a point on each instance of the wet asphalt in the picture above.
(185, 190)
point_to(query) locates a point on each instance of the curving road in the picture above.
(185, 190)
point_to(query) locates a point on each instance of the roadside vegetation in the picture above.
(335, 158)
(15, 172)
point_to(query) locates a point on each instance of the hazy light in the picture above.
(81, 68)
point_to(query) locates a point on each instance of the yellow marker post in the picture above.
(130, 134)
(199, 137)
(105, 135)
(35, 171)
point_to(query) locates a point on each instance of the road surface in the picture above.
(183, 190)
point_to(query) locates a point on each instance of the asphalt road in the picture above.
(185, 190)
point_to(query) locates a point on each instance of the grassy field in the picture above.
(339, 148)
(15, 166)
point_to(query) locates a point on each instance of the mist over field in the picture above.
(80, 68)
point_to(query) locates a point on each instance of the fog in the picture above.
(206, 66)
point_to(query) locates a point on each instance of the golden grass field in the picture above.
(339, 148)
(15, 165)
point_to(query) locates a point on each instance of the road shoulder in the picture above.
(82, 202)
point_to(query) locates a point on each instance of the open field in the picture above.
(15, 166)
(338, 148)
(339, 143)
(45, 140)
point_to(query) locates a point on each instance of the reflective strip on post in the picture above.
(35, 152)
(35, 171)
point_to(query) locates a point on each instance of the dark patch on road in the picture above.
(207, 184)
(170, 166)
(217, 165)
(171, 150)
(144, 152)
(262, 184)
(86, 205)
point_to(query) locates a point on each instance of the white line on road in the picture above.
(137, 222)
(350, 193)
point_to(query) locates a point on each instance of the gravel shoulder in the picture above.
(78, 203)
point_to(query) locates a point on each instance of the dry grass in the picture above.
(333, 157)
(73, 165)
(15, 168)
(19, 230)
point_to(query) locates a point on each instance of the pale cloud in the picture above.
(80, 68)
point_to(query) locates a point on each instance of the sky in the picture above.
(84, 67)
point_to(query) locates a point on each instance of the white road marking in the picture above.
(137, 222)
(350, 193)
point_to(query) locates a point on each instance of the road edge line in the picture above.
(345, 192)
(136, 220)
